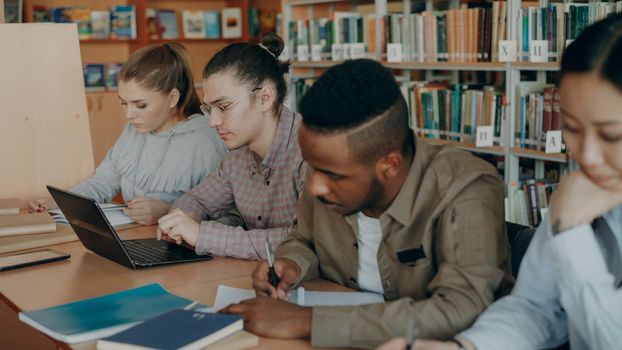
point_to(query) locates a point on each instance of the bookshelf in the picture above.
(512, 73)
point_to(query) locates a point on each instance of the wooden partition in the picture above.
(44, 125)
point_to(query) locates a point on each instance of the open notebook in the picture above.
(226, 295)
(113, 212)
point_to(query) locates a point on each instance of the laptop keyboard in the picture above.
(143, 253)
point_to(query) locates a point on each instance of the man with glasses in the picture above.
(261, 177)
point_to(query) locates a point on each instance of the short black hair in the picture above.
(598, 49)
(360, 97)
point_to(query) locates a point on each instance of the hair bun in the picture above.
(273, 43)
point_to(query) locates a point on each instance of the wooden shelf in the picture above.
(467, 66)
(539, 155)
(472, 66)
(193, 40)
(464, 66)
(496, 150)
(309, 2)
(547, 66)
(107, 41)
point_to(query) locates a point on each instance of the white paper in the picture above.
(226, 295)
(113, 212)
(394, 53)
(553, 141)
(507, 51)
(484, 136)
(538, 51)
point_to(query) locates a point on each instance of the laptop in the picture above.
(96, 234)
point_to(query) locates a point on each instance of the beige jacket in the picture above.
(443, 258)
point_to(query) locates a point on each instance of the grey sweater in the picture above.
(161, 165)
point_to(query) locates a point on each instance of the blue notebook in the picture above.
(177, 329)
(103, 316)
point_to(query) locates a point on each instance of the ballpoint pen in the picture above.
(274, 279)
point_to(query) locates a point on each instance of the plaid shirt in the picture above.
(265, 192)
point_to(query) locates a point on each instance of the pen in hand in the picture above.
(274, 279)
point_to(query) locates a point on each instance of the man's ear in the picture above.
(388, 166)
(173, 98)
(265, 97)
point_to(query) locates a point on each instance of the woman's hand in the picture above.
(579, 201)
(145, 210)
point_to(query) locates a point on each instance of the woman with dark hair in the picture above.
(167, 146)
(570, 278)
(243, 93)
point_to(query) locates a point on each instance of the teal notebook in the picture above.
(103, 316)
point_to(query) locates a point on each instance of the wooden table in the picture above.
(88, 275)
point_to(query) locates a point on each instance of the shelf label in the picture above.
(316, 52)
(357, 50)
(539, 51)
(484, 136)
(394, 53)
(302, 51)
(507, 50)
(336, 52)
(553, 141)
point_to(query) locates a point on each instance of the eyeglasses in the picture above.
(207, 109)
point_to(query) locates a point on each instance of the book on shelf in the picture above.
(537, 112)
(112, 75)
(94, 77)
(531, 199)
(100, 24)
(253, 22)
(454, 111)
(268, 21)
(9, 206)
(60, 14)
(231, 22)
(154, 28)
(81, 16)
(167, 18)
(102, 316)
(212, 24)
(176, 329)
(193, 24)
(40, 14)
(25, 224)
(113, 212)
(123, 22)
(13, 11)
(558, 23)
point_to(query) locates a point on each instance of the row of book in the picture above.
(101, 77)
(537, 112)
(118, 23)
(458, 35)
(558, 24)
(324, 38)
(196, 24)
(531, 201)
(454, 112)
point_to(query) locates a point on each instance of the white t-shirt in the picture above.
(369, 237)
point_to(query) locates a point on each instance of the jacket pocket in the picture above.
(410, 256)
